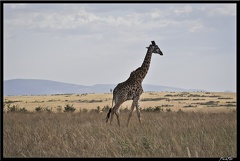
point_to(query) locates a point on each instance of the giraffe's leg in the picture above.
(138, 112)
(132, 108)
(117, 114)
(115, 111)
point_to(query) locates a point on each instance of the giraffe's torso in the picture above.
(129, 89)
(123, 92)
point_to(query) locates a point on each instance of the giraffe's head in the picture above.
(154, 48)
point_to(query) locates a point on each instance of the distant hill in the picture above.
(46, 87)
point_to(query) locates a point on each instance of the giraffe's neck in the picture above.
(137, 76)
(145, 65)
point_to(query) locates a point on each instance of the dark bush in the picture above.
(69, 108)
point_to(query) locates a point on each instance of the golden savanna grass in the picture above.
(181, 130)
(168, 100)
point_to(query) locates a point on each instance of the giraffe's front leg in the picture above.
(138, 112)
(132, 108)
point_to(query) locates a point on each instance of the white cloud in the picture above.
(155, 14)
(219, 9)
(17, 6)
(82, 18)
(183, 10)
(195, 26)
(67, 20)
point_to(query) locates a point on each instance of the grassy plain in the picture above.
(195, 124)
(196, 101)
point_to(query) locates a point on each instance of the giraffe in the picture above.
(131, 89)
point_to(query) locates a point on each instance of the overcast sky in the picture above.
(89, 44)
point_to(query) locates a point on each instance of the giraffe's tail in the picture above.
(108, 114)
(110, 109)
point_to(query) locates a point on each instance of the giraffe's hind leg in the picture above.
(117, 114)
(115, 111)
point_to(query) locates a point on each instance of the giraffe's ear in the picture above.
(147, 47)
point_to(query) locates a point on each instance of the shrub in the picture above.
(69, 108)
(148, 109)
(38, 109)
(157, 109)
(152, 99)
(15, 108)
(93, 101)
(153, 109)
(190, 106)
(22, 110)
(168, 110)
(225, 98)
(98, 108)
(209, 103)
(47, 109)
(43, 109)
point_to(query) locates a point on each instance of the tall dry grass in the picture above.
(162, 134)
